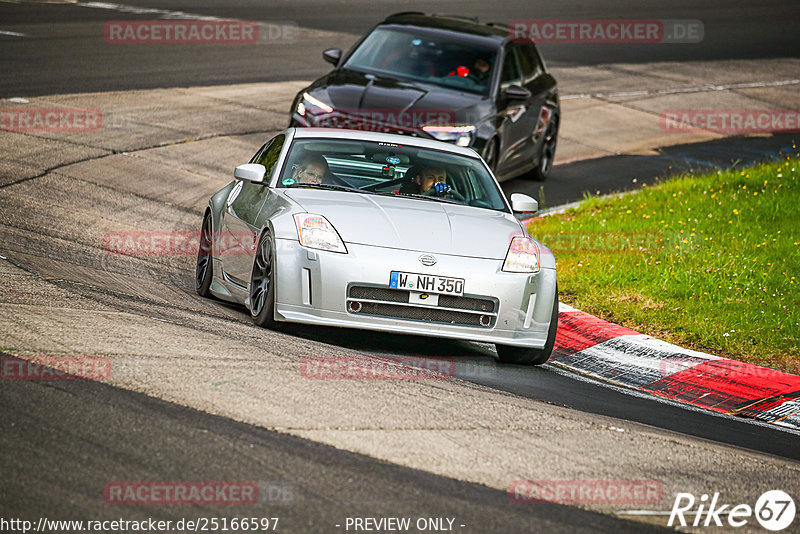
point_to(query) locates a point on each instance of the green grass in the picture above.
(710, 262)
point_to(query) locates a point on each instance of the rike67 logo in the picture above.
(774, 510)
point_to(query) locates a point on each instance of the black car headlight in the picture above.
(460, 135)
(313, 105)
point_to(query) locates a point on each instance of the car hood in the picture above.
(349, 91)
(412, 224)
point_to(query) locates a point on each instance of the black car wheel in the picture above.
(523, 356)
(548, 154)
(204, 270)
(262, 284)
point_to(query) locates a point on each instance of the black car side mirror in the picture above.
(517, 92)
(332, 56)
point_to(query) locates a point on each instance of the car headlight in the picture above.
(310, 104)
(314, 231)
(460, 135)
(522, 257)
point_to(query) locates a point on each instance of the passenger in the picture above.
(480, 73)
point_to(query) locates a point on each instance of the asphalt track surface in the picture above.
(63, 50)
(68, 439)
(310, 487)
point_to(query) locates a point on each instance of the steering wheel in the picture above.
(451, 194)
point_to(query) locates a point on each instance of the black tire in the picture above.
(204, 271)
(524, 356)
(262, 284)
(548, 155)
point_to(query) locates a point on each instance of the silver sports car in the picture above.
(380, 232)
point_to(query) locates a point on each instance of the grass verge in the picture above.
(708, 262)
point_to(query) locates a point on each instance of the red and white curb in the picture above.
(602, 350)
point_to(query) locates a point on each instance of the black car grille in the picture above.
(386, 302)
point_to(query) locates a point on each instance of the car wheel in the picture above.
(262, 284)
(205, 259)
(525, 356)
(548, 154)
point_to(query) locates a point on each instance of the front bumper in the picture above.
(312, 287)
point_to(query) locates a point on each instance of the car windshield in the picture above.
(391, 169)
(440, 60)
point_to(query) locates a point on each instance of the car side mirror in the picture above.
(517, 92)
(252, 172)
(523, 203)
(332, 56)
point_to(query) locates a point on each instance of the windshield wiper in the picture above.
(420, 196)
(331, 187)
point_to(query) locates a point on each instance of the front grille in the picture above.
(466, 303)
(378, 293)
(367, 296)
(420, 314)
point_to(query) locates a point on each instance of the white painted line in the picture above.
(13, 34)
(680, 90)
(566, 308)
(634, 360)
(164, 14)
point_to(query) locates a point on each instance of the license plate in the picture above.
(426, 283)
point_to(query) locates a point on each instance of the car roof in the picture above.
(361, 135)
(467, 26)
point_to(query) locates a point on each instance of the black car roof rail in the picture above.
(498, 24)
(450, 16)
(403, 13)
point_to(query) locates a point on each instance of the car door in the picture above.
(515, 128)
(239, 231)
(542, 87)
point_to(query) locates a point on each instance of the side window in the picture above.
(251, 196)
(269, 153)
(510, 75)
(529, 63)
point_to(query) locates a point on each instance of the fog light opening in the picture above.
(354, 306)
(485, 320)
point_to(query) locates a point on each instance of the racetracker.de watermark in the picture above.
(40, 120)
(96, 368)
(385, 119)
(385, 368)
(602, 242)
(607, 31)
(181, 493)
(731, 121)
(586, 491)
(731, 371)
(213, 32)
(177, 243)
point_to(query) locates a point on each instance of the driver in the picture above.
(430, 181)
(311, 169)
(481, 69)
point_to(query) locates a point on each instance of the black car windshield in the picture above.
(390, 169)
(440, 60)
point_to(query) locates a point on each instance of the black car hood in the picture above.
(347, 91)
